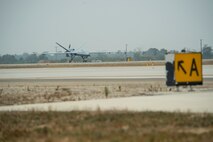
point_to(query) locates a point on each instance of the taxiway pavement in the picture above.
(134, 72)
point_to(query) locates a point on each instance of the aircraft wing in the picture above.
(62, 47)
(57, 53)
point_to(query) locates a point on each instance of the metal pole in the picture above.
(56, 54)
(201, 46)
(126, 51)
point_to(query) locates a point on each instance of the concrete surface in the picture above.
(92, 72)
(183, 102)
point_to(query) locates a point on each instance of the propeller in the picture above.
(71, 49)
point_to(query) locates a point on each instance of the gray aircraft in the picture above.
(72, 53)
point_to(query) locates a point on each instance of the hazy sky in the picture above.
(104, 25)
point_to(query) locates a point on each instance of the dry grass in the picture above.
(105, 126)
(30, 92)
(41, 92)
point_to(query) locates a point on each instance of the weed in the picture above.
(43, 130)
(67, 90)
(57, 88)
(1, 90)
(28, 88)
(119, 88)
(106, 91)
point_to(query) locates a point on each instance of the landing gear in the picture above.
(71, 58)
(83, 57)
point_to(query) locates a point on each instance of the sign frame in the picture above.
(182, 75)
(185, 68)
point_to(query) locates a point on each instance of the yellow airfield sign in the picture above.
(188, 68)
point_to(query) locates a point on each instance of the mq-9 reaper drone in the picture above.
(72, 53)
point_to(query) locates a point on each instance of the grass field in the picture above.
(105, 126)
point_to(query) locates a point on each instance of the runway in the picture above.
(31, 80)
(135, 72)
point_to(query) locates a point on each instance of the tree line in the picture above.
(136, 55)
